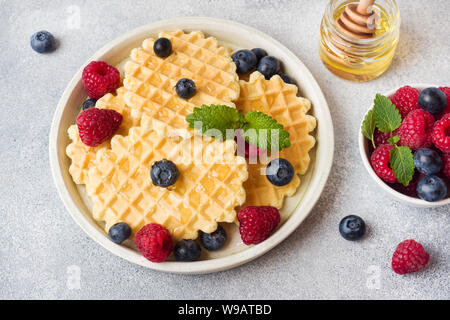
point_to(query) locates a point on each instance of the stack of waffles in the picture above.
(214, 181)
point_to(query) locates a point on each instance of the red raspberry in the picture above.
(446, 90)
(97, 125)
(381, 137)
(99, 78)
(410, 256)
(416, 128)
(405, 99)
(257, 223)
(380, 163)
(446, 164)
(154, 242)
(441, 133)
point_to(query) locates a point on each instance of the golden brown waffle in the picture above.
(151, 80)
(279, 100)
(207, 191)
(82, 155)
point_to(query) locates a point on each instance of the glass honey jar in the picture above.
(355, 58)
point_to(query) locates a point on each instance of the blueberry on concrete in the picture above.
(352, 228)
(42, 42)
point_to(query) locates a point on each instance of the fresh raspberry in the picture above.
(97, 125)
(257, 223)
(380, 163)
(416, 128)
(446, 90)
(446, 164)
(99, 78)
(410, 256)
(381, 137)
(441, 134)
(405, 99)
(154, 242)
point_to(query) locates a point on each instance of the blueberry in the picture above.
(245, 61)
(185, 88)
(269, 66)
(431, 188)
(260, 53)
(42, 42)
(89, 103)
(214, 241)
(432, 100)
(119, 232)
(352, 228)
(427, 161)
(162, 47)
(279, 172)
(187, 250)
(287, 79)
(164, 173)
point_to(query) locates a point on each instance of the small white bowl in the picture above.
(364, 151)
(235, 35)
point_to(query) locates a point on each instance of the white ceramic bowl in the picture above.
(236, 36)
(364, 152)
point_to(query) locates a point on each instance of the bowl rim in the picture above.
(324, 148)
(363, 142)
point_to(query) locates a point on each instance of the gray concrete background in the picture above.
(39, 242)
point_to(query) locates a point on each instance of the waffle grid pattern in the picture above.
(151, 80)
(280, 101)
(82, 155)
(207, 191)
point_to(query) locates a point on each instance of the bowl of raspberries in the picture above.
(404, 143)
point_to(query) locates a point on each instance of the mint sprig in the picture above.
(368, 126)
(386, 118)
(257, 127)
(402, 163)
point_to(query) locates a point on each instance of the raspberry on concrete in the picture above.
(410, 256)
(99, 78)
(441, 134)
(380, 163)
(416, 128)
(97, 125)
(154, 242)
(405, 99)
(257, 223)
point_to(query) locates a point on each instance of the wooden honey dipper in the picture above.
(358, 21)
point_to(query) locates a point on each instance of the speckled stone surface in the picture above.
(42, 250)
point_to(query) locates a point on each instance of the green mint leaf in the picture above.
(387, 116)
(218, 117)
(402, 163)
(257, 127)
(393, 140)
(262, 131)
(368, 126)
